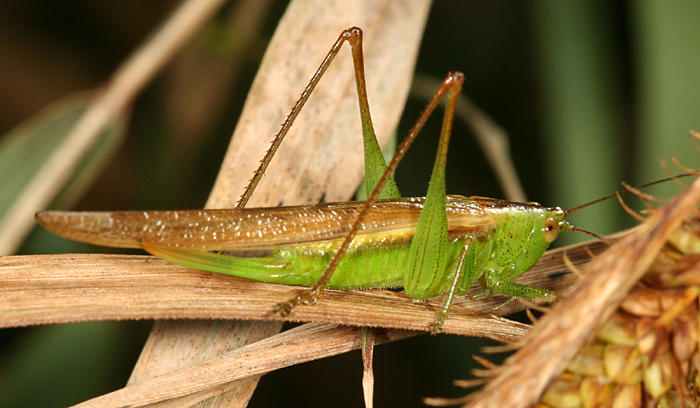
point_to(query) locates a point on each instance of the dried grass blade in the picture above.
(303, 343)
(44, 289)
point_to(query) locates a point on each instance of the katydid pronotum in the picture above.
(429, 246)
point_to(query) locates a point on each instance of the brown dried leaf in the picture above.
(41, 289)
(307, 342)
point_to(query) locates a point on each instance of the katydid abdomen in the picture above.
(367, 265)
(293, 245)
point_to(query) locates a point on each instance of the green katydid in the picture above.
(429, 246)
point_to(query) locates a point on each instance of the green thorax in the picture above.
(521, 235)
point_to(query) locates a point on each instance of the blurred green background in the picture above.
(591, 93)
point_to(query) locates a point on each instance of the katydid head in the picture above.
(554, 224)
(526, 233)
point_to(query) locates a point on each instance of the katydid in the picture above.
(429, 246)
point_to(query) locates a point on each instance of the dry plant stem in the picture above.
(307, 166)
(36, 290)
(492, 138)
(126, 82)
(49, 289)
(369, 339)
(560, 333)
(307, 342)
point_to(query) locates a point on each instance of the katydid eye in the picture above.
(550, 230)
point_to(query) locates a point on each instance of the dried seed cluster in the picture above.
(646, 355)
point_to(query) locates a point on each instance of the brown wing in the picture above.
(254, 228)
